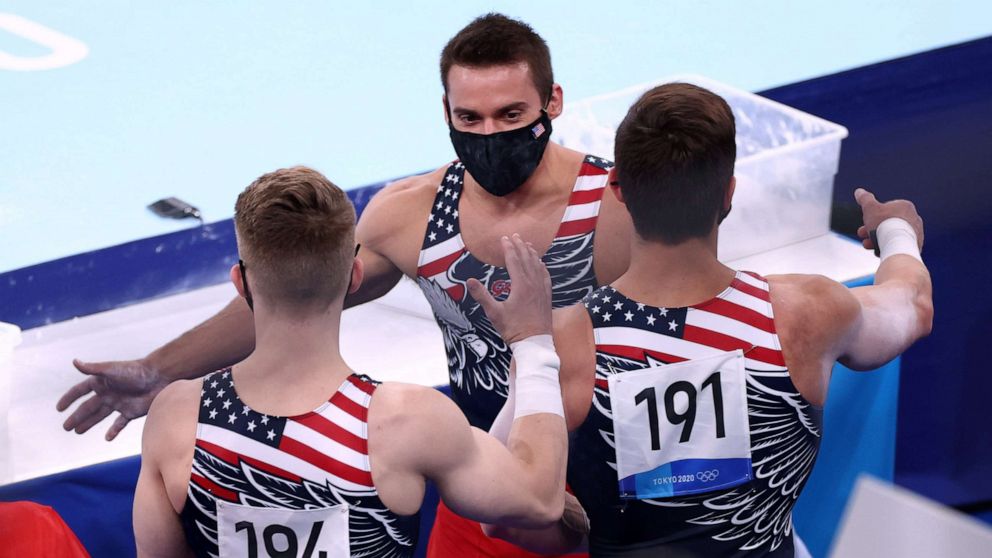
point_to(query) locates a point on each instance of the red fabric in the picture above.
(29, 529)
(454, 536)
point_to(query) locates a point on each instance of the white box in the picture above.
(786, 162)
(10, 337)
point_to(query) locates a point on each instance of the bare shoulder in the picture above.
(414, 424)
(394, 222)
(813, 317)
(172, 418)
(810, 297)
(403, 197)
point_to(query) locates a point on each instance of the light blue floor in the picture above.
(196, 99)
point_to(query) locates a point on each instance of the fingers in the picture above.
(116, 428)
(91, 368)
(864, 197)
(88, 414)
(74, 393)
(482, 296)
(513, 255)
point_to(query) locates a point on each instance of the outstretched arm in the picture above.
(128, 387)
(897, 309)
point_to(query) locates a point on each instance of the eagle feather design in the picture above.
(784, 444)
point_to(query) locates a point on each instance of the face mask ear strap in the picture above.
(723, 215)
(358, 247)
(244, 283)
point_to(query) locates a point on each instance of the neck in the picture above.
(292, 357)
(674, 276)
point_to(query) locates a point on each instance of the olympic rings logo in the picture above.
(708, 476)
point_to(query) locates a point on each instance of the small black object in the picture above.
(873, 235)
(175, 208)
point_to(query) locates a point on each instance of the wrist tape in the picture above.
(537, 389)
(896, 236)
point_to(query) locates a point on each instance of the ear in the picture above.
(611, 179)
(729, 196)
(357, 275)
(556, 102)
(236, 279)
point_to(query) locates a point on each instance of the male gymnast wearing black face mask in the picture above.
(442, 229)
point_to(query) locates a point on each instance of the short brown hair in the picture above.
(675, 155)
(296, 235)
(497, 40)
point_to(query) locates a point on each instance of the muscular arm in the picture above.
(387, 232)
(575, 345)
(521, 484)
(898, 309)
(891, 315)
(166, 451)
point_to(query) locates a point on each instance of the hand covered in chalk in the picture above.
(874, 212)
(127, 387)
(527, 311)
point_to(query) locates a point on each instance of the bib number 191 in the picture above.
(688, 418)
(695, 438)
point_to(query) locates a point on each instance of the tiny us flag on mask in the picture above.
(538, 130)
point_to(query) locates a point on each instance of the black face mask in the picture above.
(503, 161)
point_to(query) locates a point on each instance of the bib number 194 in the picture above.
(276, 536)
(250, 532)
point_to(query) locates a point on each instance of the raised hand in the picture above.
(527, 311)
(127, 387)
(874, 212)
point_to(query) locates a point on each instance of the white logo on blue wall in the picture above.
(65, 50)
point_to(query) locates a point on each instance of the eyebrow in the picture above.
(519, 105)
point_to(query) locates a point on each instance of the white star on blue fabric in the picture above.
(672, 325)
(651, 319)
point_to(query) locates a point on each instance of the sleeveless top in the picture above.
(752, 519)
(478, 360)
(310, 461)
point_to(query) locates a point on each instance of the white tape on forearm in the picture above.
(537, 389)
(503, 423)
(896, 236)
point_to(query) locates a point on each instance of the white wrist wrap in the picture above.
(896, 236)
(537, 389)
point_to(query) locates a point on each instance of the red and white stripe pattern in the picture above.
(587, 195)
(443, 244)
(738, 318)
(327, 445)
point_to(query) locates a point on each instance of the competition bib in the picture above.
(682, 428)
(248, 532)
